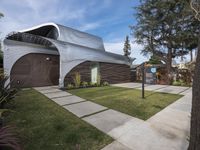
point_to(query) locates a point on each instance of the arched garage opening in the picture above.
(34, 70)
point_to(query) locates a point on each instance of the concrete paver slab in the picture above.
(172, 89)
(182, 107)
(50, 90)
(153, 87)
(115, 146)
(68, 100)
(84, 108)
(43, 88)
(157, 88)
(144, 137)
(187, 99)
(55, 86)
(171, 122)
(107, 120)
(127, 126)
(139, 137)
(128, 85)
(188, 91)
(57, 94)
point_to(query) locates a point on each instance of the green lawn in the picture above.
(43, 125)
(127, 100)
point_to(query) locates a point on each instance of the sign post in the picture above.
(143, 80)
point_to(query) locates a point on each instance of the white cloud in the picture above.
(24, 14)
(89, 26)
(27, 13)
(117, 47)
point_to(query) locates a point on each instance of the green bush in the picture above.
(105, 83)
(84, 84)
(92, 84)
(180, 83)
(77, 79)
(176, 83)
(70, 86)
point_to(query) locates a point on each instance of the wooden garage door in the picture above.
(34, 70)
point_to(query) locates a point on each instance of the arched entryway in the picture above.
(34, 70)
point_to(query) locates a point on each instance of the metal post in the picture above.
(143, 80)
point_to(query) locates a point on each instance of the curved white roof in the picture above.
(66, 34)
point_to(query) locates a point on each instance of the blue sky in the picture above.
(108, 19)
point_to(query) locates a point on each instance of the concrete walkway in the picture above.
(167, 130)
(156, 88)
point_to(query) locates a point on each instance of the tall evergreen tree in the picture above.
(127, 47)
(165, 29)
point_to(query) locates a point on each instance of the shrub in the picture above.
(6, 93)
(3, 113)
(77, 79)
(70, 86)
(180, 83)
(84, 84)
(105, 83)
(91, 84)
(176, 83)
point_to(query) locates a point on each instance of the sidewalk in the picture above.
(167, 130)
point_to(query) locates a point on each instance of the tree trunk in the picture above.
(195, 116)
(169, 66)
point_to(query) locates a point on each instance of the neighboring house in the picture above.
(50, 54)
(153, 73)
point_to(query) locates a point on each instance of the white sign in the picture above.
(153, 70)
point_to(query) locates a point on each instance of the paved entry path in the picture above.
(167, 130)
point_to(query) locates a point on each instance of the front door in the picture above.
(94, 73)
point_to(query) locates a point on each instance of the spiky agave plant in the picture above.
(6, 93)
(8, 138)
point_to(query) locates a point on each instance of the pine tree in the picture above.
(127, 47)
(154, 60)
